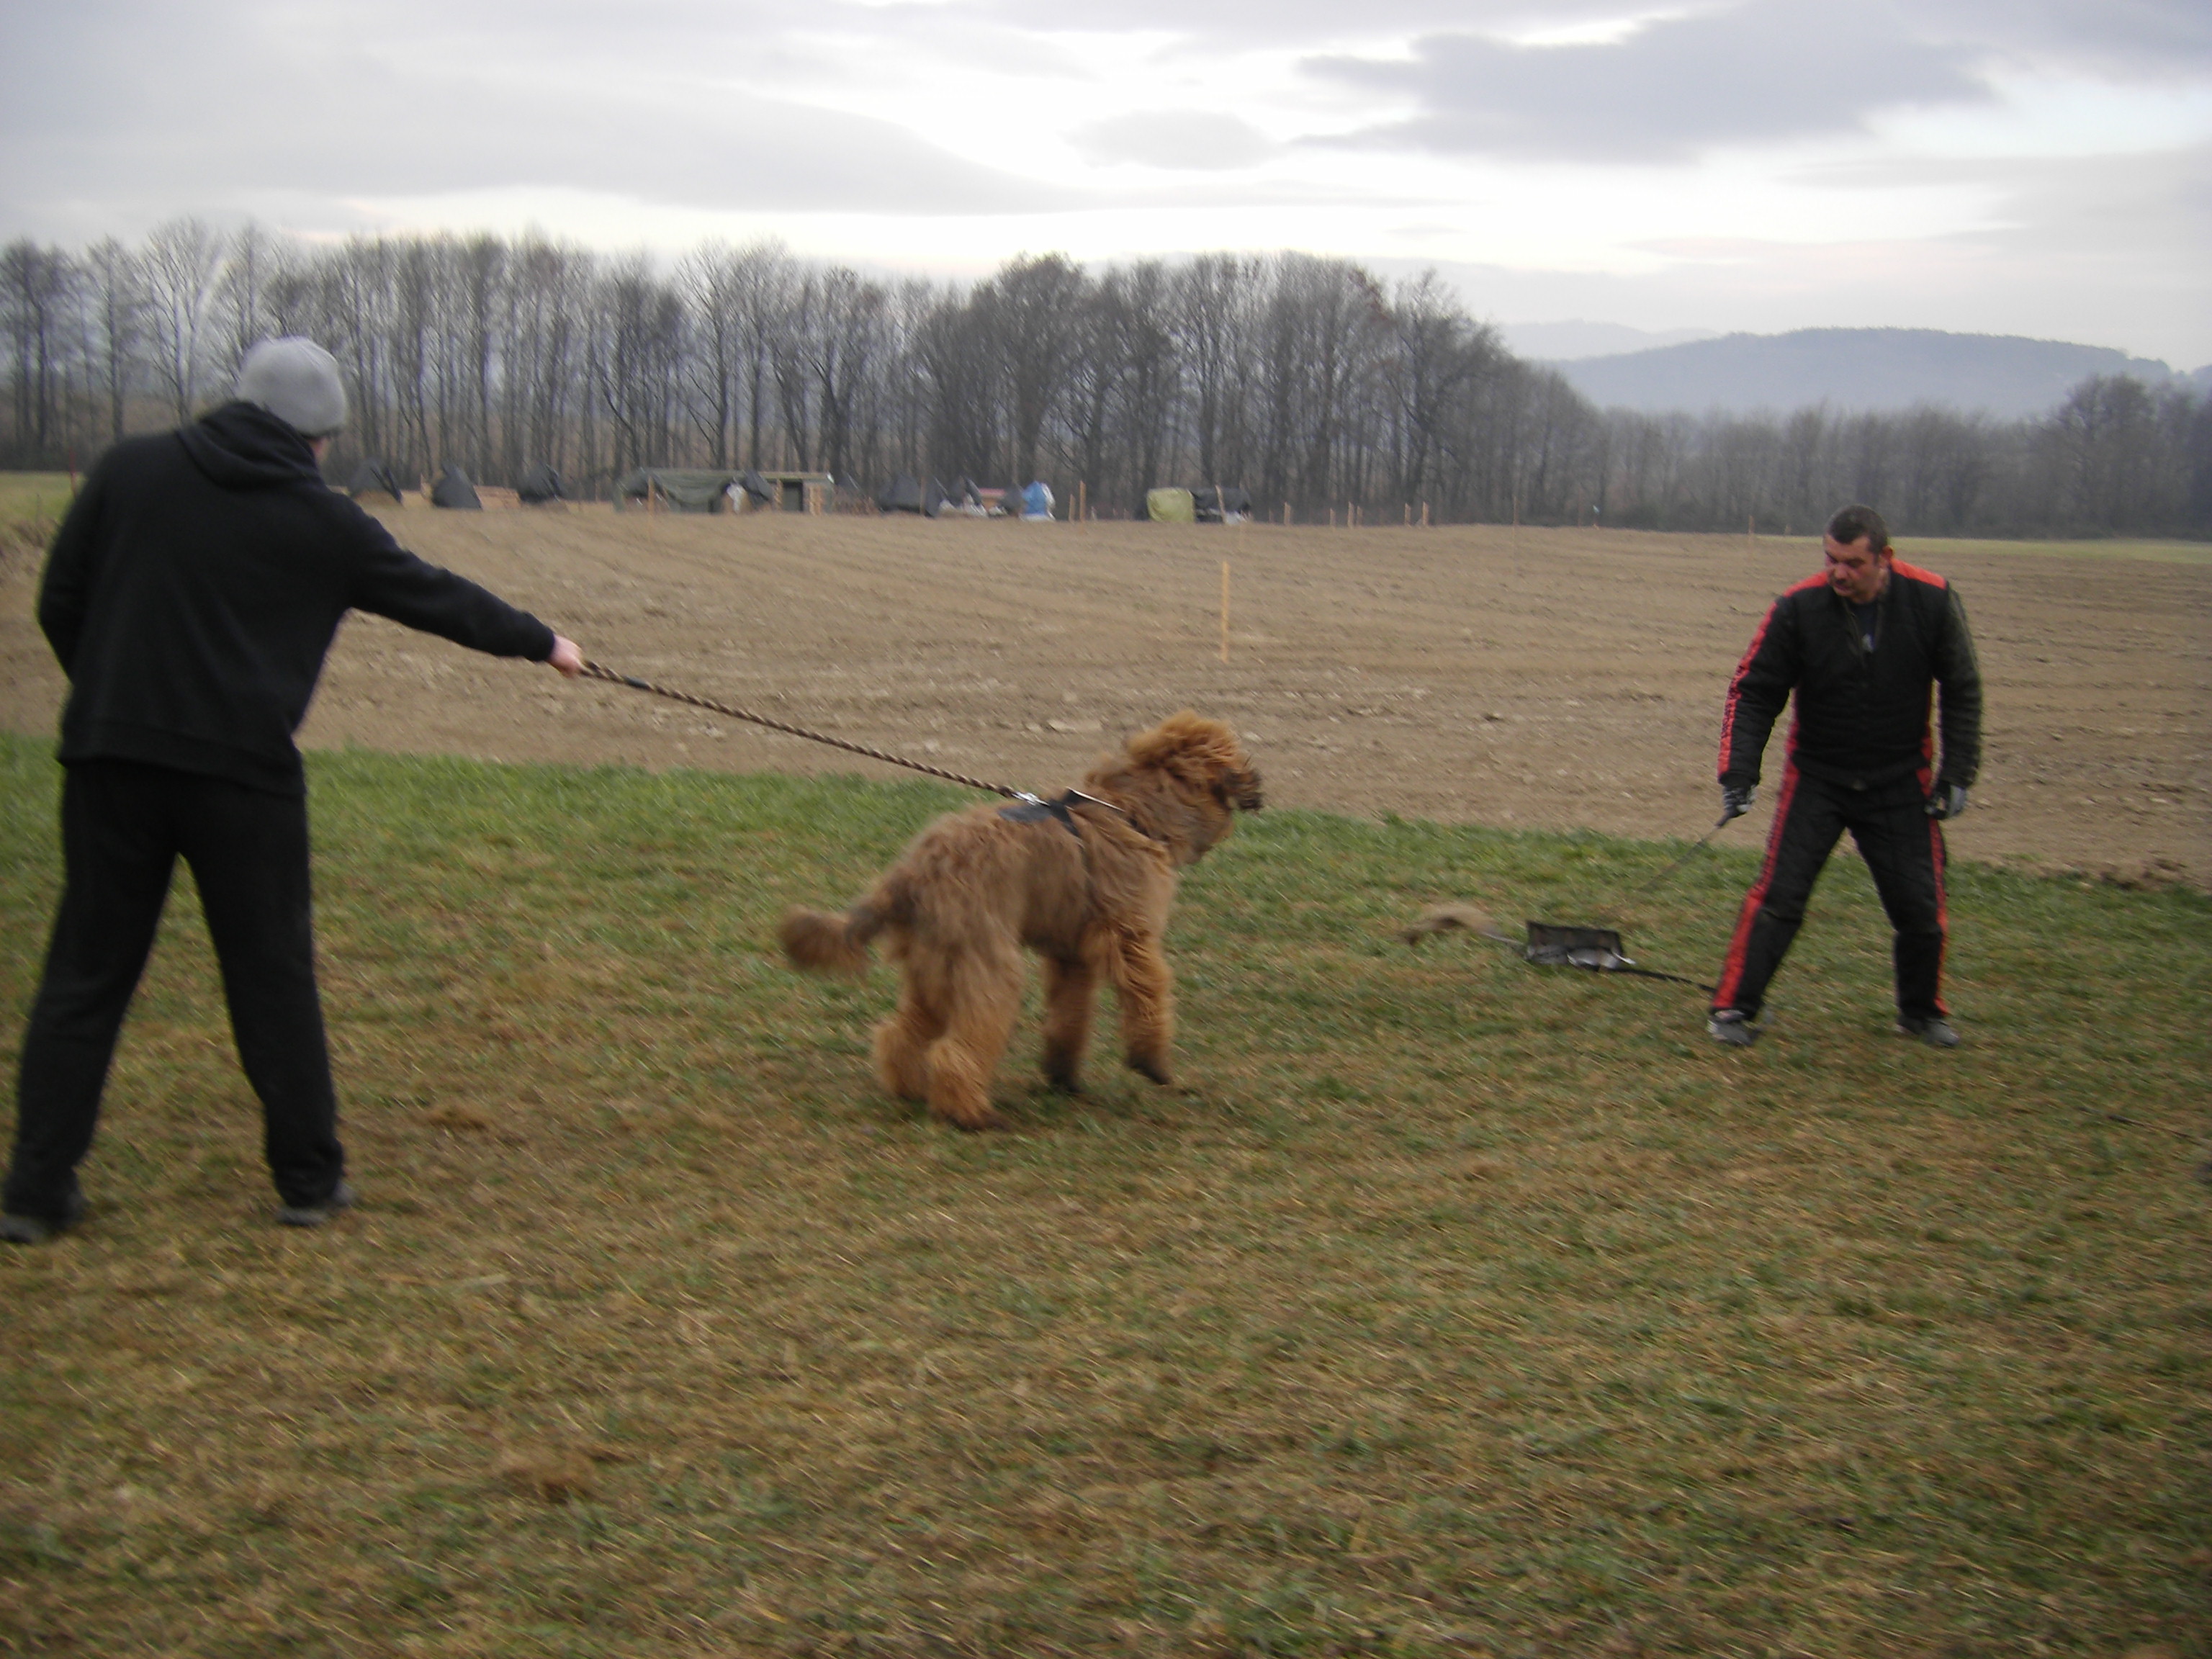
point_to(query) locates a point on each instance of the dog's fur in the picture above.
(974, 888)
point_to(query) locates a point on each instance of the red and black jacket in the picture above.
(1861, 716)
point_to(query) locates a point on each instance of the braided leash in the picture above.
(593, 670)
(1702, 841)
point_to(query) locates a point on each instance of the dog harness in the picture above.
(1035, 811)
(1030, 809)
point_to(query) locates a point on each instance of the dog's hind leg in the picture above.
(1146, 991)
(1070, 984)
(903, 1045)
(983, 996)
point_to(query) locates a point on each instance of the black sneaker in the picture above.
(38, 1229)
(314, 1215)
(1733, 1027)
(1935, 1031)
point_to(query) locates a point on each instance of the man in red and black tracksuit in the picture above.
(1861, 645)
(190, 596)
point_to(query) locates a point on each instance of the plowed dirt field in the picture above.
(1550, 678)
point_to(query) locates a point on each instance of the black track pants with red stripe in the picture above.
(1902, 847)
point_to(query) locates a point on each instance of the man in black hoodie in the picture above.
(1861, 646)
(190, 596)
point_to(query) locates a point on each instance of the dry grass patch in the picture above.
(1453, 1308)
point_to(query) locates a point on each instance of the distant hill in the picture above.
(1853, 368)
(1559, 342)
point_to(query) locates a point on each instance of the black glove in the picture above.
(1736, 801)
(1947, 802)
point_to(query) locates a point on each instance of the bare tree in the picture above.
(1216, 296)
(1033, 308)
(1300, 377)
(39, 287)
(181, 261)
(118, 292)
(711, 281)
(252, 261)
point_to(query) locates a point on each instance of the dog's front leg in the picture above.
(1146, 991)
(1070, 984)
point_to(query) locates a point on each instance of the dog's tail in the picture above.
(824, 944)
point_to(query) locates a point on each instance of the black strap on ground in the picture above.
(1653, 973)
(594, 671)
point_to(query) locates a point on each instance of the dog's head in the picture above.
(1182, 782)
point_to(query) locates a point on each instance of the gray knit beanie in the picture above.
(295, 380)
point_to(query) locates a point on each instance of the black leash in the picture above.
(1058, 809)
(594, 671)
(1702, 841)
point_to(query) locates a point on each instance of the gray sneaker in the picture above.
(1733, 1027)
(1935, 1031)
(314, 1215)
(38, 1229)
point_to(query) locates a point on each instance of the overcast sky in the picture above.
(2027, 167)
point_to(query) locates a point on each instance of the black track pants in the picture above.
(1902, 847)
(123, 826)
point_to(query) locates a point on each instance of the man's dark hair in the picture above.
(1853, 522)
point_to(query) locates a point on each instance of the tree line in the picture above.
(1310, 382)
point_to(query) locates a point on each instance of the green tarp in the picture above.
(681, 488)
(1170, 506)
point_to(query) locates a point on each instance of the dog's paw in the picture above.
(1154, 1066)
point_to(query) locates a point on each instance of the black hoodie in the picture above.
(195, 585)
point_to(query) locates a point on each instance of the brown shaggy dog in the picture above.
(1085, 883)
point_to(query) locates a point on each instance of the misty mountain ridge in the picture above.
(1858, 369)
(1563, 342)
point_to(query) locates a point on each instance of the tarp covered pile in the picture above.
(908, 493)
(539, 485)
(680, 489)
(1226, 504)
(1170, 506)
(454, 489)
(902, 494)
(373, 477)
(1223, 504)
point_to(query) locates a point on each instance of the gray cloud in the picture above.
(2148, 39)
(1279, 23)
(2106, 250)
(1767, 70)
(197, 108)
(1195, 140)
(2154, 40)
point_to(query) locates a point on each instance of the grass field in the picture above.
(1451, 1306)
(1934, 548)
(32, 496)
